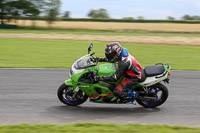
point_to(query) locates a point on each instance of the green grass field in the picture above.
(97, 32)
(96, 128)
(36, 53)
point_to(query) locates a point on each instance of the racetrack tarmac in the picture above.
(29, 96)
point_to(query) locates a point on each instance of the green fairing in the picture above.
(76, 77)
(69, 82)
(107, 69)
(89, 89)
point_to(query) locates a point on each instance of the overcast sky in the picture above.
(149, 9)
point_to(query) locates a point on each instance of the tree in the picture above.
(187, 17)
(14, 8)
(67, 14)
(170, 18)
(52, 10)
(29, 8)
(101, 13)
(2, 11)
(128, 18)
(23, 8)
(92, 14)
(195, 17)
(51, 16)
(140, 17)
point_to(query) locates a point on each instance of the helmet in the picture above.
(113, 51)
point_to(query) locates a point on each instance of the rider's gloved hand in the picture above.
(94, 59)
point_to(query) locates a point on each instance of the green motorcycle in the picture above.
(149, 92)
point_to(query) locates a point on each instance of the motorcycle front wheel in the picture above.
(161, 93)
(67, 96)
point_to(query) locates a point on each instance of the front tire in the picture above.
(66, 95)
(162, 95)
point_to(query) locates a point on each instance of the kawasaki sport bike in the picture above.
(149, 92)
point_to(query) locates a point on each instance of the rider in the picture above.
(127, 65)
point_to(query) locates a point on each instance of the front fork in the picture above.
(70, 83)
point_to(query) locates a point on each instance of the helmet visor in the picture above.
(110, 57)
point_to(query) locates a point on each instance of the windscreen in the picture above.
(83, 62)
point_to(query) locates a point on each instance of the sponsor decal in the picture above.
(97, 96)
(84, 86)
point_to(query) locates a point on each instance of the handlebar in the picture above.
(94, 59)
(92, 54)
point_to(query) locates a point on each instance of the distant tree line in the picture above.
(101, 13)
(49, 10)
(188, 17)
(185, 17)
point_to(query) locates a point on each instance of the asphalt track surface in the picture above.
(29, 96)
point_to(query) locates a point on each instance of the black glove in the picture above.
(99, 59)
(94, 59)
(102, 60)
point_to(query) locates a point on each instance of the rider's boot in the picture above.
(124, 97)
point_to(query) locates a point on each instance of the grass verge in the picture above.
(96, 128)
(37, 53)
(97, 32)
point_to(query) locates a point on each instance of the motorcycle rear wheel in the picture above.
(161, 98)
(66, 95)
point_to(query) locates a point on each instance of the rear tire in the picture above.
(65, 95)
(160, 100)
